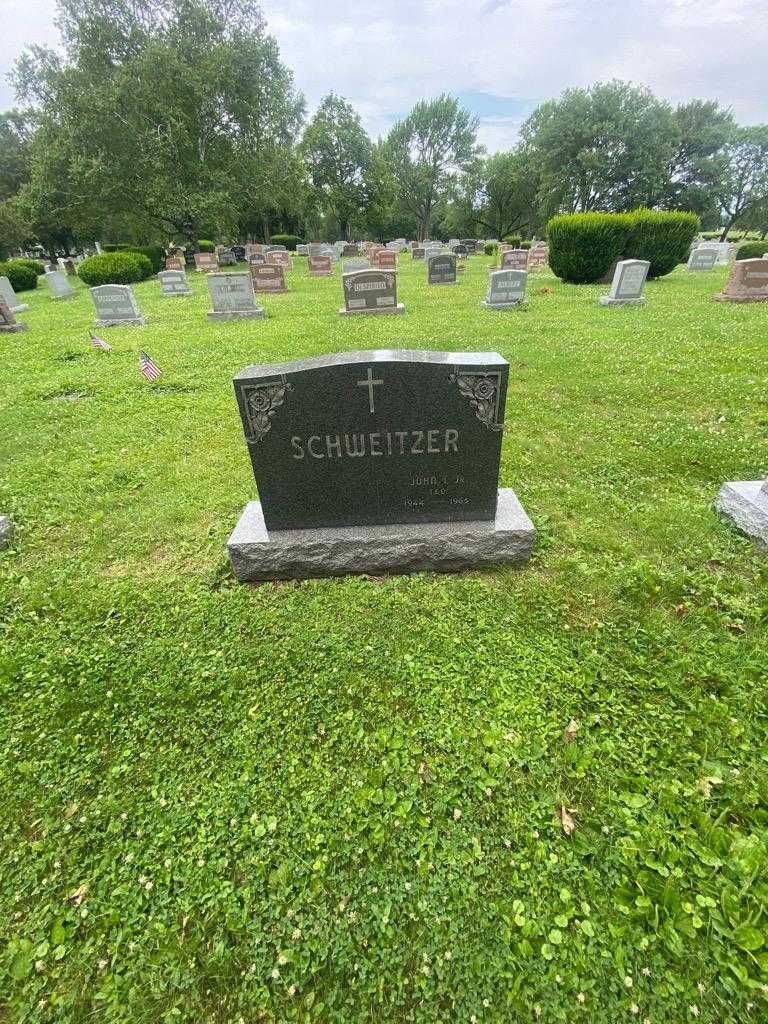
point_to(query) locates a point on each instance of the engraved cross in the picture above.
(370, 384)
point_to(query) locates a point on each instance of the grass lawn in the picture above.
(336, 800)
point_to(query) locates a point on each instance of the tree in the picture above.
(437, 140)
(699, 164)
(745, 191)
(607, 148)
(176, 115)
(337, 151)
(16, 132)
(499, 195)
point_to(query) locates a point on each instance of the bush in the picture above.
(582, 246)
(115, 268)
(664, 239)
(525, 245)
(154, 253)
(35, 265)
(205, 245)
(514, 240)
(22, 278)
(289, 241)
(490, 248)
(752, 250)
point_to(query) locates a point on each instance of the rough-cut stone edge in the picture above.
(606, 300)
(237, 314)
(399, 308)
(722, 297)
(745, 504)
(136, 321)
(7, 530)
(502, 305)
(255, 554)
(13, 328)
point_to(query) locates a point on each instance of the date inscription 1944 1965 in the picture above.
(388, 436)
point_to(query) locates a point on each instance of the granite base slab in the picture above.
(137, 321)
(12, 328)
(502, 305)
(256, 554)
(399, 308)
(237, 314)
(745, 504)
(606, 300)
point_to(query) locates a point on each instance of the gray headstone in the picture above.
(58, 284)
(7, 530)
(441, 269)
(460, 250)
(506, 288)
(116, 306)
(418, 252)
(376, 462)
(227, 258)
(257, 259)
(349, 266)
(174, 282)
(233, 297)
(628, 282)
(350, 249)
(370, 291)
(745, 504)
(11, 299)
(702, 260)
(302, 250)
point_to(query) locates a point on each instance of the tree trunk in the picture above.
(726, 229)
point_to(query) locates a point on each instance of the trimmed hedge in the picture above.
(664, 239)
(525, 245)
(752, 250)
(582, 246)
(513, 240)
(490, 248)
(205, 245)
(35, 265)
(289, 241)
(115, 268)
(154, 253)
(22, 278)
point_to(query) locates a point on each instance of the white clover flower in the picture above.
(275, 973)
(629, 980)
(581, 997)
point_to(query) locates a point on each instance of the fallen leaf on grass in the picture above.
(564, 813)
(72, 809)
(569, 733)
(79, 894)
(705, 784)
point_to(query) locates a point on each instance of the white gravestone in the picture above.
(506, 289)
(627, 287)
(59, 285)
(116, 306)
(233, 297)
(174, 282)
(745, 504)
(701, 260)
(7, 293)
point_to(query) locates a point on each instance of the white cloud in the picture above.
(384, 56)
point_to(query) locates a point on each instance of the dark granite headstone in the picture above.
(268, 278)
(441, 269)
(349, 449)
(370, 291)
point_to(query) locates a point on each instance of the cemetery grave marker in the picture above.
(257, 259)
(9, 295)
(372, 462)
(174, 282)
(116, 306)
(174, 263)
(233, 297)
(506, 289)
(8, 322)
(748, 282)
(227, 258)
(268, 278)
(349, 266)
(350, 249)
(370, 292)
(628, 282)
(538, 257)
(58, 284)
(385, 260)
(280, 258)
(441, 269)
(418, 252)
(206, 262)
(701, 260)
(514, 259)
(320, 266)
(71, 269)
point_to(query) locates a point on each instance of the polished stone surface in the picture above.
(370, 291)
(441, 269)
(375, 437)
(627, 285)
(745, 504)
(233, 297)
(506, 289)
(174, 282)
(116, 306)
(258, 554)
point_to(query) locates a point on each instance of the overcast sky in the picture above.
(500, 57)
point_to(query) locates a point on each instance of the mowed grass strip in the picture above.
(342, 800)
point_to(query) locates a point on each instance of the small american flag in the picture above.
(147, 368)
(99, 342)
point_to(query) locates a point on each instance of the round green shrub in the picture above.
(35, 265)
(752, 250)
(154, 253)
(513, 240)
(205, 245)
(22, 278)
(115, 268)
(289, 241)
(490, 248)
(525, 245)
(664, 239)
(582, 246)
